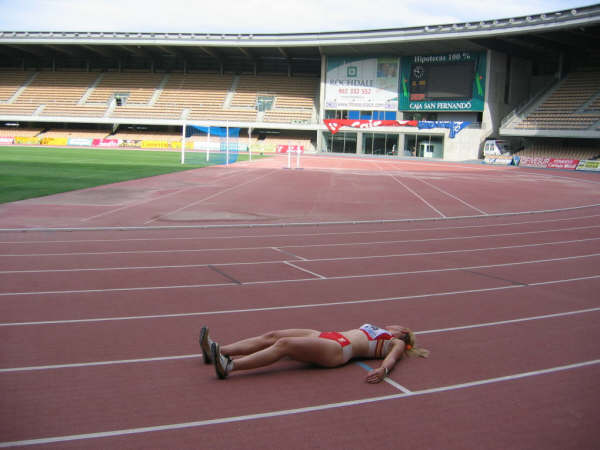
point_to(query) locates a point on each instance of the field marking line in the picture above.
(362, 364)
(417, 195)
(453, 196)
(305, 270)
(379, 221)
(301, 306)
(300, 259)
(216, 194)
(335, 233)
(287, 412)
(343, 244)
(285, 252)
(136, 203)
(388, 380)
(341, 277)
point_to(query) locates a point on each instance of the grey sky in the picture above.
(257, 16)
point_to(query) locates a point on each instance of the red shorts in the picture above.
(345, 344)
(335, 336)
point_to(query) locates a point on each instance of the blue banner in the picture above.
(193, 130)
(454, 127)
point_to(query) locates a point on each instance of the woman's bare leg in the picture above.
(305, 349)
(255, 344)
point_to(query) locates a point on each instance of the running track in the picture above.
(103, 292)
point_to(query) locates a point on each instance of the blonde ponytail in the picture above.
(412, 349)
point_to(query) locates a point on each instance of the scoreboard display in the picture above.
(442, 81)
(452, 82)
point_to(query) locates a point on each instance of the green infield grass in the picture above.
(27, 172)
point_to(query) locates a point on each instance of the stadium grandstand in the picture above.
(438, 91)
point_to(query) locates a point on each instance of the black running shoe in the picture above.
(221, 362)
(205, 345)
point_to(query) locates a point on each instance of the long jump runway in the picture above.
(498, 272)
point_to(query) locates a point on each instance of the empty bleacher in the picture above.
(139, 86)
(569, 150)
(173, 96)
(565, 107)
(12, 81)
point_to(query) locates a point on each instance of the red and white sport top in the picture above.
(380, 340)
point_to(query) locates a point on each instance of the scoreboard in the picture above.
(450, 82)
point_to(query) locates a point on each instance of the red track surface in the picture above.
(496, 269)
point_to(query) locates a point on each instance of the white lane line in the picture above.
(287, 412)
(343, 244)
(453, 196)
(305, 270)
(216, 194)
(388, 380)
(342, 277)
(362, 364)
(344, 233)
(302, 306)
(418, 196)
(285, 252)
(134, 204)
(509, 321)
(411, 220)
(340, 258)
(99, 363)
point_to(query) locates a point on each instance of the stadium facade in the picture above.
(437, 91)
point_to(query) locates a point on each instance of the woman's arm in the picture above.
(395, 354)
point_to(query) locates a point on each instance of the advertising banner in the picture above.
(449, 82)
(362, 83)
(530, 161)
(6, 140)
(500, 160)
(588, 165)
(54, 141)
(290, 148)
(156, 144)
(106, 143)
(131, 143)
(80, 142)
(203, 145)
(26, 140)
(262, 147)
(334, 125)
(555, 163)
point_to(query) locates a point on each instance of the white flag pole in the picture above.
(183, 143)
(227, 143)
(208, 144)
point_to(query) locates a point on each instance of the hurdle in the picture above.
(297, 159)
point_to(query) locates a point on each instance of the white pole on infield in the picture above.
(249, 144)
(297, 157)
(227, 143)
(183, 144)
(208, 144)
(289, 152)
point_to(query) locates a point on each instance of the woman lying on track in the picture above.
(326, 349)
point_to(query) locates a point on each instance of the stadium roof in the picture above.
(574, 31)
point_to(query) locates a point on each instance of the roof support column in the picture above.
(320, 115)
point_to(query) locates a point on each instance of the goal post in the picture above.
(209, 145)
